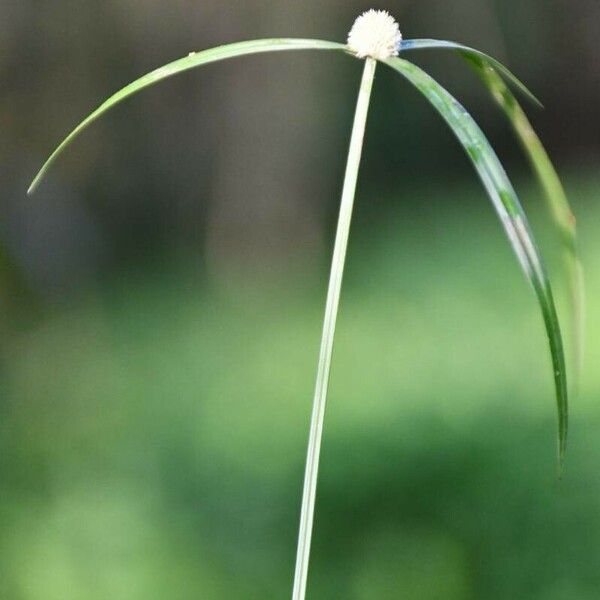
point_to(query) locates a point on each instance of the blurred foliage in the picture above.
(153, 428)
(161, 303)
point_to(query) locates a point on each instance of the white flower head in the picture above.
(376, 34)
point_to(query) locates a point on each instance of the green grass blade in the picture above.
(508, 207)
(191, 61)
(490, 71)
(467, 52)
(556, 199)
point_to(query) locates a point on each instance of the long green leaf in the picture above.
(466, 51)
(490, 71)
(508, 207)
(556, 200)
(195, 59)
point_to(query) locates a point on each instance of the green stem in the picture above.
(331, 310)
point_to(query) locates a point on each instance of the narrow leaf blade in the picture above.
(512, 216)
(556, 199)
(193, 60)
(468, 52)
(490, 71)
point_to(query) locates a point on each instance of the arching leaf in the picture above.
(467, 52)
(193, 60)
(490, 71)
(508, 207)
(557, 202)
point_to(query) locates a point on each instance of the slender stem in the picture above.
(331, 309)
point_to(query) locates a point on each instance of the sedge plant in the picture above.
(375, 39)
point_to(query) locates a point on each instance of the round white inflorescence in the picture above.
(376, 34)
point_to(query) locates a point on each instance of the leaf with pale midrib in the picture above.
(508, 207)
(491, 72)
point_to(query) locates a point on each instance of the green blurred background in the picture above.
(161, 301)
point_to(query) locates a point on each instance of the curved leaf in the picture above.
(508, 207)
(467, 52)
(194, 59)
(488, 68)
(556, 199)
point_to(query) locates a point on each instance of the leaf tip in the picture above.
(562, 452)
(33, 185)
(560, 471)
